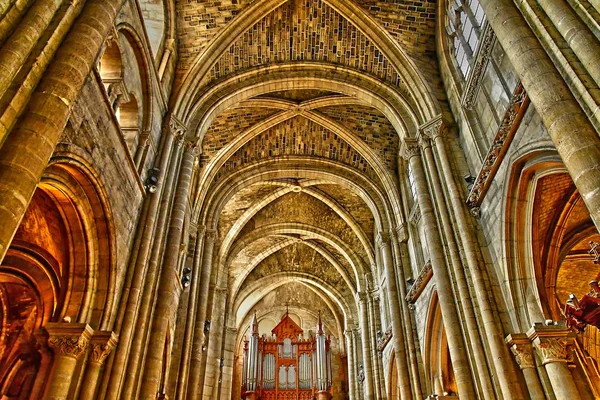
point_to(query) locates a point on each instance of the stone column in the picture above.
(169, 285)
(20, 44)
(377, 367)
(68, 342)
(504, 367)
(399, 238)
(102, 344)
(351, 365)
(354, 334)
(578, 36)
(482, 375)
(551, 344)
(26, 151)
(363, 313)
(197, 367)
(572, 133)
(151, 249)
(383, 241)
(523, 351)
(227, 371)
(215, 342)
(190, 320)
(452, 324)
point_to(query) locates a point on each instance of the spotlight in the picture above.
(186, 277)
(470, 181)
(151, 183)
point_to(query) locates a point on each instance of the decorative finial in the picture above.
(320, 330)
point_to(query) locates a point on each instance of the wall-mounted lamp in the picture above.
(186, 277)
(151, 183)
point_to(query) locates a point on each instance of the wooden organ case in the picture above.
(286, 366)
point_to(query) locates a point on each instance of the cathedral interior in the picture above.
(299, 199)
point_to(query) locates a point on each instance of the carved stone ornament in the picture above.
(384, 339)
(67, 339)
(508, 127)
(383, 239)
(101, 345)
(424, 141)
(523, 353)
(409, 149)
(433, 128)
(419, 284)
(176, 127)
(552, 349)
(488, 38)
(192, 147)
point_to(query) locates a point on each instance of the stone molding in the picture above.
(211, 234)
(384, 339)
(409, 148)
(102, 343)
(433, 128)
(486, 44)
(420, 282)
(522, 350)
(68, 339)
(506, 132)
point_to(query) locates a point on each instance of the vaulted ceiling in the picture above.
(300, 107)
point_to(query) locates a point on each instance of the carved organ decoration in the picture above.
(286, 366)
(580, 313)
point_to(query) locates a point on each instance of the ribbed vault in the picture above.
(299, 108)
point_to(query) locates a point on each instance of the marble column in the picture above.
(29, 146)
(197, 366)
(351, 365)
(368, 385)
(102, 344)
(551, 343)
(68, 342)
(452, 324)
(574, 137)
(169, 284)
(383, 241)
(523, 351)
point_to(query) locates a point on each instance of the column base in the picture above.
(323, 395)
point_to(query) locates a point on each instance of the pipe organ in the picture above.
(286, 366)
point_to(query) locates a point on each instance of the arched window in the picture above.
(465, 19)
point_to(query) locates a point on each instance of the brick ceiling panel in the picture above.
(305, 30)
(298, 136)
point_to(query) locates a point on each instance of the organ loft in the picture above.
(299, 199)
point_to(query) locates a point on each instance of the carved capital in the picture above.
(383, 239)
(432, 129)
(522, 349)
(361, 297)
(176, 127)
(424, 141)
(191, 146)
(67, 339)
(102, 344)
(551, 342)
(211, 234)
(409, 149)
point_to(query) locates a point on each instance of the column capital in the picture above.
(176, 127)
(382, 239)
(361, 297)
(553, 342)
(522, 349)
(433, 128)
(191, 146)
(409, 148)
(68, 339)
(211, 234)
(400, 233)
(424, 140)
(102, 343)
